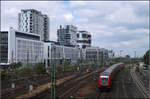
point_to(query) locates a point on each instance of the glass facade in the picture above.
(3, 47)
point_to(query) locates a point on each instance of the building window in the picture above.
(83, 46)
(83, 35)
(48, 52)
(89, 36)
(77, 35)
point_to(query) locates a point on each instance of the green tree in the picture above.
(127, 56)
(146, 57)
(25, 72)
(15, 66)
(39, 68)
(65, 64)
(5, 75)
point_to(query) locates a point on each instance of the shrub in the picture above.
(146, 57)
(137, 69)
(59, 68)
(25, 71)
(39, 68)
(15, 66)
(5, 75)
(65, 65)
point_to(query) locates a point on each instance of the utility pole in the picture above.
(53, 76)
(102, 58)
(28, 57)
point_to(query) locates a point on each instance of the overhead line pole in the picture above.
(53, 76)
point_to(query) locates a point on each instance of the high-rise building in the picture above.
(83, 39)
(33, 21)
(46, 27)
(67, 35)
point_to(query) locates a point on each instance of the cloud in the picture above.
(69, 17)
(124, 16)
(113, 25)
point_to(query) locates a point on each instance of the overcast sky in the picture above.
(113, 25)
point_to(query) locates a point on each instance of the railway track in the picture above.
(68, 88)
(118, 89)
(21, 87)
(78, 83)
(66, 91)
(123, 87)
(44, 90)
(139, 83)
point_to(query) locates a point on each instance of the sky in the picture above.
(113, 25)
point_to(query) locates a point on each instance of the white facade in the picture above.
(33, 21)
(24, 47)
(94, 53)
(61, 53)
(83, 39)
(67, 35)
(110, 54)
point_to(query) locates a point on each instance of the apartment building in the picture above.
(67, 35)
(33, 21)
(83, 39)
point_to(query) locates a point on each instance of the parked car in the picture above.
(145, 67)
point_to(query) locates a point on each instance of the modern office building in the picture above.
(67, 35)
(4, 47)
(97, 53)
(53, 50)
(103, 53)
(18, 46)
(83, 39)
(110, 54)
(33, 21)
(91, 53)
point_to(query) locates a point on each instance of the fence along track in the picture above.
(139, 84)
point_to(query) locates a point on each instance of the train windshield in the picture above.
(104, 81)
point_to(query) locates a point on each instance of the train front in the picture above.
(104, 82)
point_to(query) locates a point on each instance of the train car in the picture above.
(106, 77)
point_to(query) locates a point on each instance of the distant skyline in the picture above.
(113, 25)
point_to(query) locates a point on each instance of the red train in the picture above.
(106, 77)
